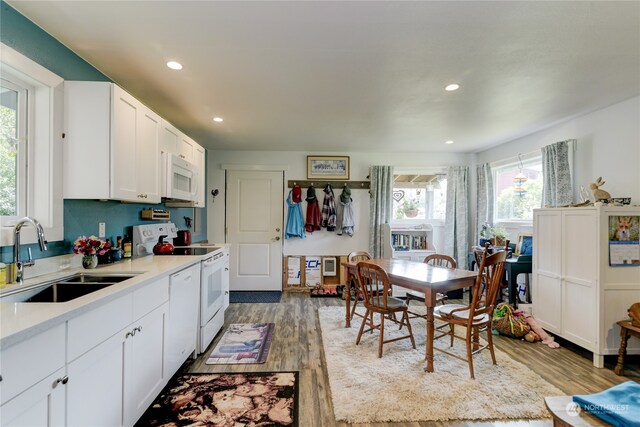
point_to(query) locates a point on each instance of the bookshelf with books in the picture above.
(409, 242)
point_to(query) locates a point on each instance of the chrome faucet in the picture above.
(20, 265)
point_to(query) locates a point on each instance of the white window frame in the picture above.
(23, 114)
(433, 170)
(508, 163)
(44, 150)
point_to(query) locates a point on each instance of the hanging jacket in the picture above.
(329, 209)
(313, 211)
(295, 222)
(345, 217)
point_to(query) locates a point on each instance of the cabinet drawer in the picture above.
(150, 297)
(29, 361)
(91, 328)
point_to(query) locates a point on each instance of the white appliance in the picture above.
(212, 271)
(179, 178)
(211, 298)
(146, 236)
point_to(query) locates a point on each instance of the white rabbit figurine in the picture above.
(597, 192)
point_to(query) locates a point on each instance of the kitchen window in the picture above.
(13, 137)
(518, 188)
(31, 113)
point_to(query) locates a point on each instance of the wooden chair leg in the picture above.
(476, 338)
(469, 352)
(364, 321)
(490, 343)
(452, 329)
(622, 352)
(381, 338)
(405, 316)
(371, 320)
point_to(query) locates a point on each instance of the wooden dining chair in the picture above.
(478, 315)
(371, 276)
(437, 260)
(354, 258)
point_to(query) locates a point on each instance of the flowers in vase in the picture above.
(90, 246)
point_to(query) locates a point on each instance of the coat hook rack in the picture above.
(364, 185)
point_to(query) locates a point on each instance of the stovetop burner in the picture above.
(194, 250)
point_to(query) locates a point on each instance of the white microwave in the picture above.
(179, 178)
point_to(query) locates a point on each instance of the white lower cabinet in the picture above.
(225, 280)
(40, 405)
(577, 294)
(144, 374)
(115, 382)
(94, 394)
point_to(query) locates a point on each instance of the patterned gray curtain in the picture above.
(380, 207)
(456, 240)
(556, 175)
(484, 203)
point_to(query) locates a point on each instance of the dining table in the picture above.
(420, 277)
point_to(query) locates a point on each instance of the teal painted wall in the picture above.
(81, 217)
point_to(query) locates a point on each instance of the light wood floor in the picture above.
(297, 346)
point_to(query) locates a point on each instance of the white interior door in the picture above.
(254, 216)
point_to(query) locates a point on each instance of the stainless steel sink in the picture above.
(68, 288)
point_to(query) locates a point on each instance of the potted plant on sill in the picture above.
(499, 235)
(408, 208)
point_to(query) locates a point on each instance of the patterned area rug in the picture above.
(357, 378)
(239, 297)
(220, 400)
(243, 343)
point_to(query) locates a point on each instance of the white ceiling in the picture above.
(357, 76)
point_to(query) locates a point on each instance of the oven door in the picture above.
(211, 295)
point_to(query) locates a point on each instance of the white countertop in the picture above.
(19, 321)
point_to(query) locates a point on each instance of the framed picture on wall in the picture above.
(328, 167)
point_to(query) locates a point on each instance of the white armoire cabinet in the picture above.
(577, 295)
(115, 137)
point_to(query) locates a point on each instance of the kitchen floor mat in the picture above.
(243, 343)
(256, 398)
(236, 297)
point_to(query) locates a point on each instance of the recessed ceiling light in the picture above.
(217, 119)
(448, 142)
(452, 87)
(174, 65)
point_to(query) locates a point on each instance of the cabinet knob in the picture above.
(62, 380)
(226, 269)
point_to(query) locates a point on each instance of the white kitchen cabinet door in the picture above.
(40, 405)
(199, 160)
(225, 280)
(182, 325)
(145, 375)
(186, 147)
(125, 120)
(96, 384)
(169, 137)
(148, 156)
(547, 291)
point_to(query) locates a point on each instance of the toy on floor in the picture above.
(546, 338)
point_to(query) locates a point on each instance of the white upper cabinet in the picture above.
(186, 148)
(115, 136)
(199, 160)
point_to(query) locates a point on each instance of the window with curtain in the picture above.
(419, 198)
(518, 189)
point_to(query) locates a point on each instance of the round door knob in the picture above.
(277, 238)
(277, 229)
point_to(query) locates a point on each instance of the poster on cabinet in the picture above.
(312, 272)
(624, 241)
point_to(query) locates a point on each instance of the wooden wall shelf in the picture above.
(306, 183)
